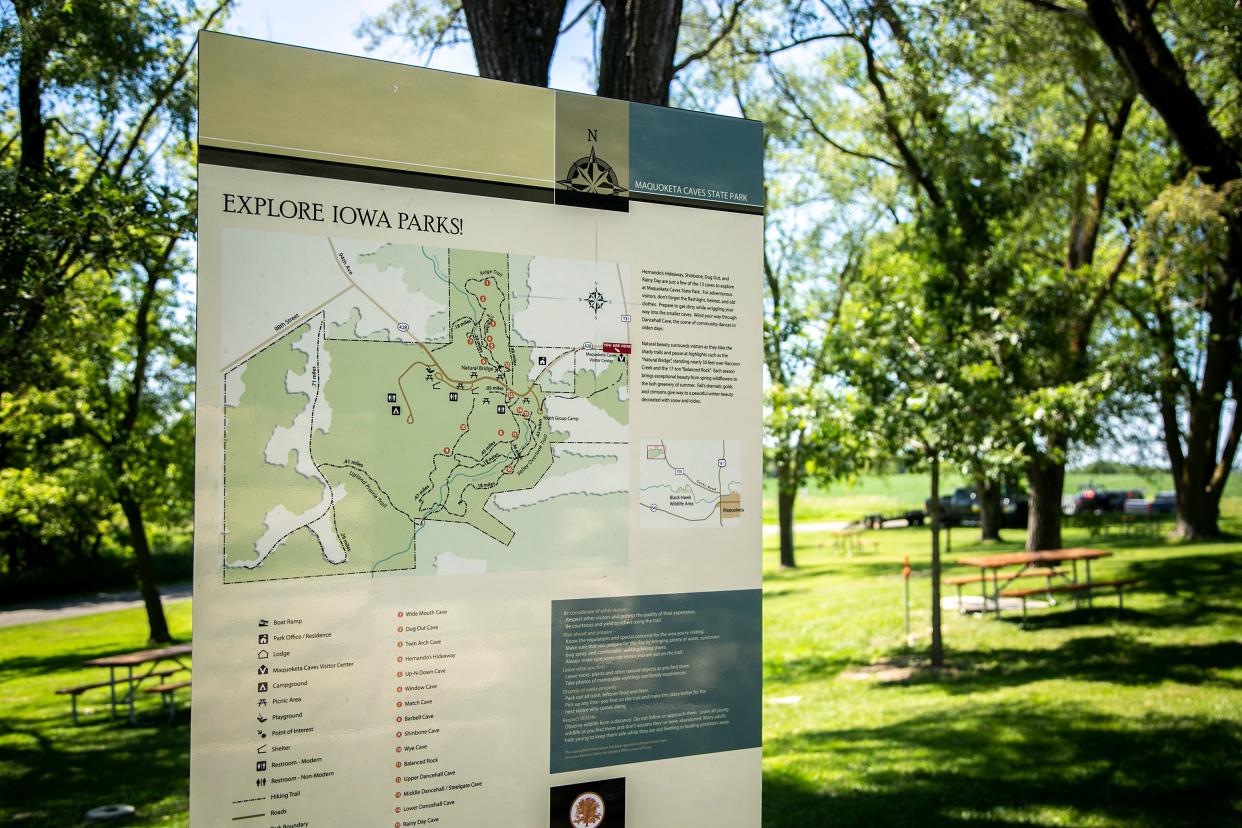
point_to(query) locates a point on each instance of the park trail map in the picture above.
(690, 484)
(431, 411)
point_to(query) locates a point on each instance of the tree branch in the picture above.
(792, 99)
(161, 97)
(725, 30)
(577, 18)
(911, 162)
(795, 43)
(1055, 8)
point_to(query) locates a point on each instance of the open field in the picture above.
(1088, 718)
(888, 493)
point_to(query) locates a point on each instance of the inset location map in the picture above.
(685, 484)
(421, 409)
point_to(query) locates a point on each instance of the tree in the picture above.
(94, 165)
(953, 172)
(916, 374)
(515, 41)
(94, 82)
(809, 421)
(969, 108)
(1193, 85)
(132, 399)
(1074, 115)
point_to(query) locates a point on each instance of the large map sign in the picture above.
(437, 386)
(478, 452)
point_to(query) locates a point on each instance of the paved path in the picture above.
(11, 616)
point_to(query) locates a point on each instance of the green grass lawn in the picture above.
(1086, 718)
(52, 772)
(850, 500)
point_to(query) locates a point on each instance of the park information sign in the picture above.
(479, 452)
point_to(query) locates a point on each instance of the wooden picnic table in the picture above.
(1048, 559)
(176, 654)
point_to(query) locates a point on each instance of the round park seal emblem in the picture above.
(587, 811)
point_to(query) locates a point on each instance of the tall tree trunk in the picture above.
(1197, 514)
(786, 494)
(145, 566)
(988, 493)
(937, 643)
(1046, 476)
(637, 49)
(1200, 463)
(514, 39)
(1129, 30)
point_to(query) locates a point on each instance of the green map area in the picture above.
(367, 441)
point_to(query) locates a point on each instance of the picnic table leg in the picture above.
(112, 692)
(1088, 583)
(131, 695)
(996, 591)
(983, 591)
(1075, 563)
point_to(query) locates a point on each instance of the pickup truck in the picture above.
(962, 508)
(1092, 498)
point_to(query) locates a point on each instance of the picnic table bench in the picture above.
(1088, 587)
(1047, 573)
(1047, 564)
(175, 657)
(168, 692)
(847, 540)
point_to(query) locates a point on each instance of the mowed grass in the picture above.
(52, 772)
(850, 500)
(1090, 717)
(1086, 718)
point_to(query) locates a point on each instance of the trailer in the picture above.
(912, 517)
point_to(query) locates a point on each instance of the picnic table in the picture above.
(160, 663)
(1047, 564)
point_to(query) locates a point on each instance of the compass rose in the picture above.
(592, 174)
(595, 300)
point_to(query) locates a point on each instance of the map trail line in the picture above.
(443, 374)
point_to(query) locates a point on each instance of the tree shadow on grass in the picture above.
(54, 780)
(1016, 764)
(851, 567)
(1197, 588)
(1112, 659)
(27, 667)
(798, 670)
(780, 593)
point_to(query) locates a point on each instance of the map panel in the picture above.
(686, 484)
(404, 424)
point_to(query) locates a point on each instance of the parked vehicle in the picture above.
(1164, 503)
(962, 508)
(1092, 498)
(913, 517)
